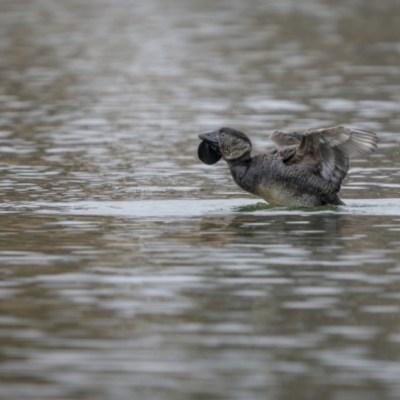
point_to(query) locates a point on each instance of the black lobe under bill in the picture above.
(208, 153)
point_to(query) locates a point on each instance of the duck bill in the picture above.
(210, 137)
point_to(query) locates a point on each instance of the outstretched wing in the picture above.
(352, 142)
(325, 152)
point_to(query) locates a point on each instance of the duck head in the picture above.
(225, 142)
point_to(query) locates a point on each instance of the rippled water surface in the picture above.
(129, 269)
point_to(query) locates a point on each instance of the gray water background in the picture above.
(129, 269)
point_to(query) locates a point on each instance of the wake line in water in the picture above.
(197, 208)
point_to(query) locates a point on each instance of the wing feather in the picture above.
(326, 151)
(282, 139)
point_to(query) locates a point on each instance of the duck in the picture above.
(303, 170)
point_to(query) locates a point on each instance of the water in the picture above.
(129, 270)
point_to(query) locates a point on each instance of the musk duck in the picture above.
(304, 170)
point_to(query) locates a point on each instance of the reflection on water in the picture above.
(130, 269)
(244, 302)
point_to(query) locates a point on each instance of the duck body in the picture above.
(266, 176)
(305, 170)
